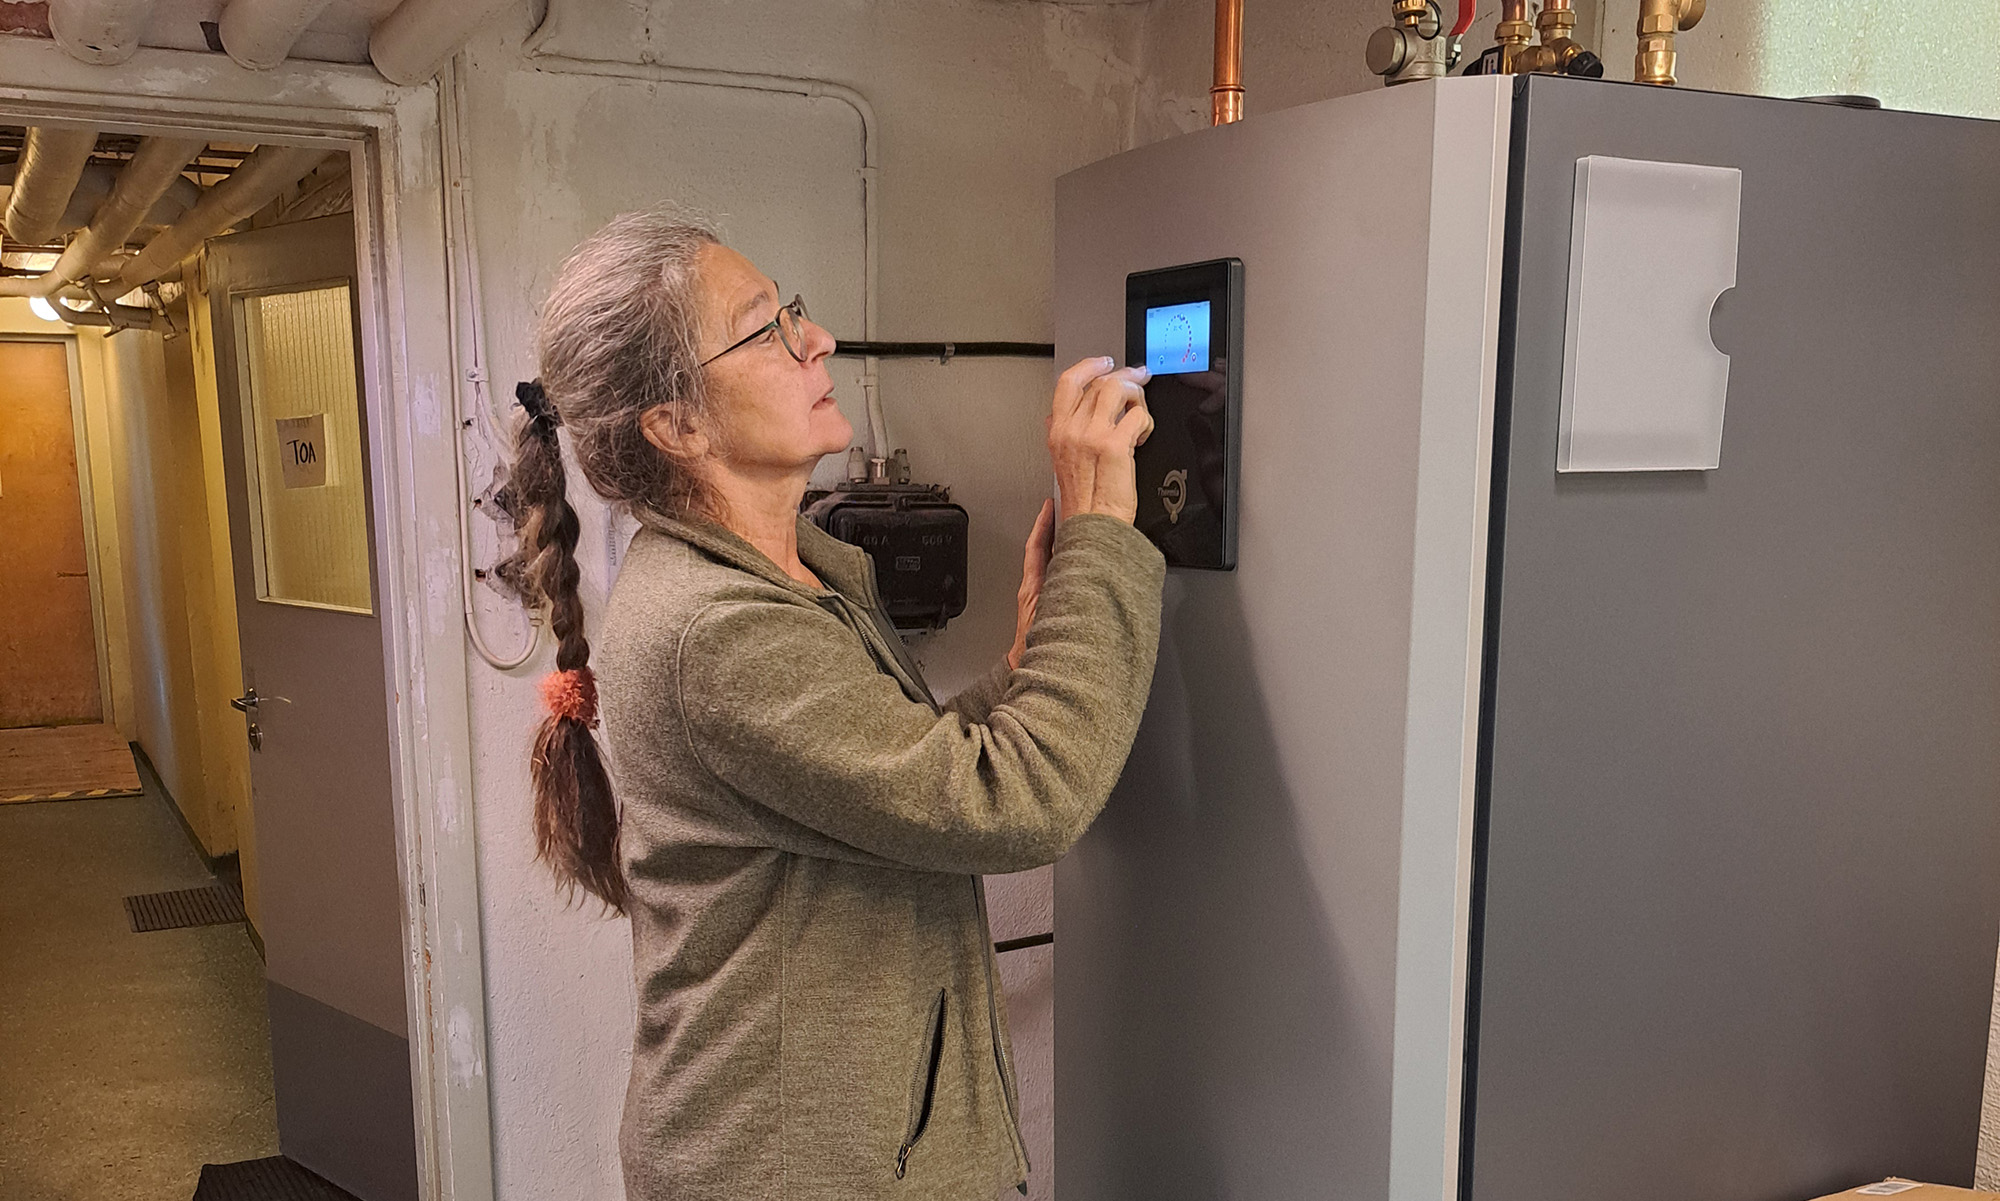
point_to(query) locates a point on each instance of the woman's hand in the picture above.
(1034, 565)
(1098, 418)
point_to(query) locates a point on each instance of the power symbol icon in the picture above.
(1173, 494)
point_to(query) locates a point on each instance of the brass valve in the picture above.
(1559, 53)
(1416, 46)
(1658, 22)
(1512, 35)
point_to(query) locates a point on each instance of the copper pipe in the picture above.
(1226, 97)
(1512, 34)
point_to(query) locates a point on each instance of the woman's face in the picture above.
(777, 413)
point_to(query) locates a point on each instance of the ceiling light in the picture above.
(43, 308)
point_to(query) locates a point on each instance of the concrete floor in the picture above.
(126, 1060)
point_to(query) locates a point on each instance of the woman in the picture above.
(802, 826)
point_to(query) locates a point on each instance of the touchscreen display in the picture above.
(1177, 338)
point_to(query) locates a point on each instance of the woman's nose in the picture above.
(819, 343)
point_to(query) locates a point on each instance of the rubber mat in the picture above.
(215, 905)
(273, 1179)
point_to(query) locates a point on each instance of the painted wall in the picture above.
(180, 637)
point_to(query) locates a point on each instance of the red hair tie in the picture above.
(571, 694)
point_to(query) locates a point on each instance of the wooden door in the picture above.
(48, 642)
(315, 700)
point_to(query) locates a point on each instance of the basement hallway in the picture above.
(127, 1060)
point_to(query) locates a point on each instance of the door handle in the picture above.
(244, 703)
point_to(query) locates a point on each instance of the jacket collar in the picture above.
(845, 569)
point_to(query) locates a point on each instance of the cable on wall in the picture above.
(462, 267)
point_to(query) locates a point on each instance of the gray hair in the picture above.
(619, 336)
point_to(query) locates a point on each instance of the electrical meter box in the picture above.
(916, 536)
(1185, 325)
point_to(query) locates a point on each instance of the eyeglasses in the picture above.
(791, 326)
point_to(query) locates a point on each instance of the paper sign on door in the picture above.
(302, 450)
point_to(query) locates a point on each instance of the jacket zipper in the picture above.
(1008, 1088)
(923, 1085)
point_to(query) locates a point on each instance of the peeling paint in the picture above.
(462, 1046)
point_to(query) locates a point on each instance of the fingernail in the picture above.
(1109, 361)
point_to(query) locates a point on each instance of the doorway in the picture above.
(408, 300)
(353, 979)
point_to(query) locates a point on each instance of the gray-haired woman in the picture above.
(803, 827)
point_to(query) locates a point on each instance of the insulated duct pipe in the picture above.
(154, 167)
(414, 42)
(258, 34)
(268, 171)
(52, 161)
(101, 32)
(1225, 98)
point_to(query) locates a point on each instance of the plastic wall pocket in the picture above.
(1652, 247)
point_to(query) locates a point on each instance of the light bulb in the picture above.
(43, 309)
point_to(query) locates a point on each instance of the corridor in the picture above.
(131, 1059)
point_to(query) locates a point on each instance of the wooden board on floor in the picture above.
(51, 763)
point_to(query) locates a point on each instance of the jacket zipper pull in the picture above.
(902, 1160)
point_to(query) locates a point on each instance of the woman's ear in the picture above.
(677, 438)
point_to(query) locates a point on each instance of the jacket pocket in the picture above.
(923, 1083)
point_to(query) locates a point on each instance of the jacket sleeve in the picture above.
(785, 707)
(976, 700)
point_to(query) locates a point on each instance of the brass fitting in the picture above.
(1658, 22)
(1513, 34)
(1559, 53)
(1414, 47)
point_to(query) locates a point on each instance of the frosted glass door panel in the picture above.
(309, 514)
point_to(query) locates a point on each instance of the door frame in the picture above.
(100, 640)
(392, 134)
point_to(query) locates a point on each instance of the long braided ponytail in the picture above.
(576, 817)
(619, 337)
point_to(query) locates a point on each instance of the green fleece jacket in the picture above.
(804, 827)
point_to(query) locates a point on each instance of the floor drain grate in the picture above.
(215, 905)
(273, 1179)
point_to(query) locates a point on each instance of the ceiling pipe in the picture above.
(52, 160)
(101, 32)
(259, 34)
(154, 168)
(1225, 98)
(268, 171)
(414, 42)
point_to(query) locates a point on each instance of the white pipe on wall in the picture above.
(268, 171)
(468, 354)
(52, 161)
(102, 32)
(414, 42)
(154, 167)
(788, 86)
(258, 34)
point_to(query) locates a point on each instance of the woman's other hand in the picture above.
(1098, 418)
(1034, 564)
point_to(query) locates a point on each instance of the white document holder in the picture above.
(1652, 247)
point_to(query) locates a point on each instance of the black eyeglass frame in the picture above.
(797, 308)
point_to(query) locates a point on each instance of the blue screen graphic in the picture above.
(1177, 338)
